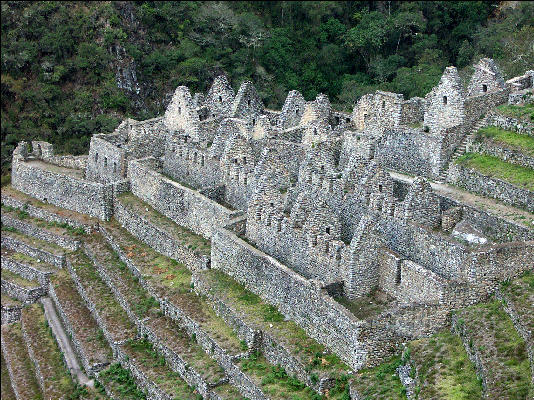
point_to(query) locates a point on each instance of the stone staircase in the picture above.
(460, 150)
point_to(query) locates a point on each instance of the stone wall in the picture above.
(409, 282)
(410, 150)
(41, 213)
(184, 206)
(10, 314)
(26, 271)
(90, 368)
(146, 138)
(158, 239)
(510, 124)
(21, 293)
(91, 198)
(477, 106)
(474, 181)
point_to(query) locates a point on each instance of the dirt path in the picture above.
(494, 207)
(64, 343)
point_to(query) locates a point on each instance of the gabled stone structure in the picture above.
(220, 98)
(445, 104)
(486, 79)
(247, 104)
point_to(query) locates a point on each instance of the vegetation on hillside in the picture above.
(62, 61)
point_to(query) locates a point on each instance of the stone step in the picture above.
(30, 246)
(19, 365)
(108, 313)
(497, 350)
(53, 378)
(65, 344)
(51, 232)
(182, 353)
(48, 212)
(28, 267)
(22, 289)
(87, 338)
(7, 392)
(151, 373)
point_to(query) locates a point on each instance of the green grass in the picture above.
(277, 384)
(7, 390)
(525, 112)
(444, 369)
(523, 143)
(381, 382)
(121, 382)
(496, 168)
(57, 379)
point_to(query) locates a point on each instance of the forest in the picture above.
(74, 69)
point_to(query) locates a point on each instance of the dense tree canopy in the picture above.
(60, 60)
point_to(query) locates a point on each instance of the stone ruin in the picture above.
(311, 187)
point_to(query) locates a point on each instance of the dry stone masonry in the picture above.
(301, 208)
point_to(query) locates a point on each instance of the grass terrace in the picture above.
(7, 390)
(162, 271)
(525, 112)
(10, 301)
(86, 330)
(57, 380)
(522, 143)
(188, 238)
(120, 382)
(444, 369)
(312, 354)
(146, 358)
(229, 392)
(8, 190)
(115, 318)
(496, 168)
(32, 262)
(33, 242)
(502, 351)
(139, 300)
(21, 364)
(172, 280)
(274, 380)
(56, 228)
(179, 341)
(18, 280)
(381, 382)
